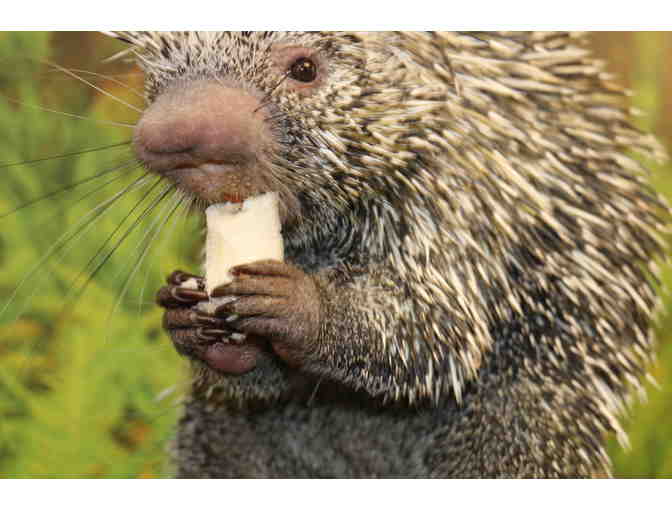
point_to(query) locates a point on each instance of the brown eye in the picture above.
(303, 69)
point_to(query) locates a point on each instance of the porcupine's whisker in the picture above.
(73, 115)
(93, 215)
(62, 156)
(70, 72)
(114, 232)
(267, 98)
(162, 194)
(186, 205)
(90, 193)
(108, 77)
(195, 205)
(185, 200)
(150, 235)
(71, 187)
(68, 187)
(71, 300)
(69, 240)
(72, 234)
(141, 216)
(93, 86)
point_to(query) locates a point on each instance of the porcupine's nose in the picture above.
(200, 123)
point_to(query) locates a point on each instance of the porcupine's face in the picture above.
(232, 115)
(236, 114)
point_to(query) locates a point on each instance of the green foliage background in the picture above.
(89, 385)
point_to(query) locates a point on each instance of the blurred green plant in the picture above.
(80, 375)
(84, 379)
(648, 426)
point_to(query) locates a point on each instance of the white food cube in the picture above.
(240, 234)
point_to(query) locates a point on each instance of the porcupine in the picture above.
(469, 251)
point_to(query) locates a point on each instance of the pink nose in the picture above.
(200, 122)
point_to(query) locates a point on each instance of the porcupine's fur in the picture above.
(494, 244)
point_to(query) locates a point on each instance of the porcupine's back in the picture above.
(577, 227)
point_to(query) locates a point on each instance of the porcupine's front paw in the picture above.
(275, 301)
(194, 333)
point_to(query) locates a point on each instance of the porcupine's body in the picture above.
(468, 249)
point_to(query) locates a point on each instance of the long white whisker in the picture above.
(109, 238)
(49, 110)
(95, 87)
(109, 78)
(171, 233)
(72, 187)
(61, 156)
(74, 232)
(151, 233)
(68, 245)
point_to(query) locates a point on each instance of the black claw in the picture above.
(216, 332)
(205, 320)
(201, 334)
(226, 309)
(188, 295)
(179, 277)
(214, 323)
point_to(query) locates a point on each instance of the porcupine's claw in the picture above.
(179, 277)
(192, 330)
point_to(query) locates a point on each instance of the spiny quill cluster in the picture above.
(483, 182)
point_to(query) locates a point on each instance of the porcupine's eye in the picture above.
(303, 69)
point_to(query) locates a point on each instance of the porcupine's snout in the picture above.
(206, 136)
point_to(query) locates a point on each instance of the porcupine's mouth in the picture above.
(215, 182)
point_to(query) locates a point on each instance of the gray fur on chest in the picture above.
(302, 440)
